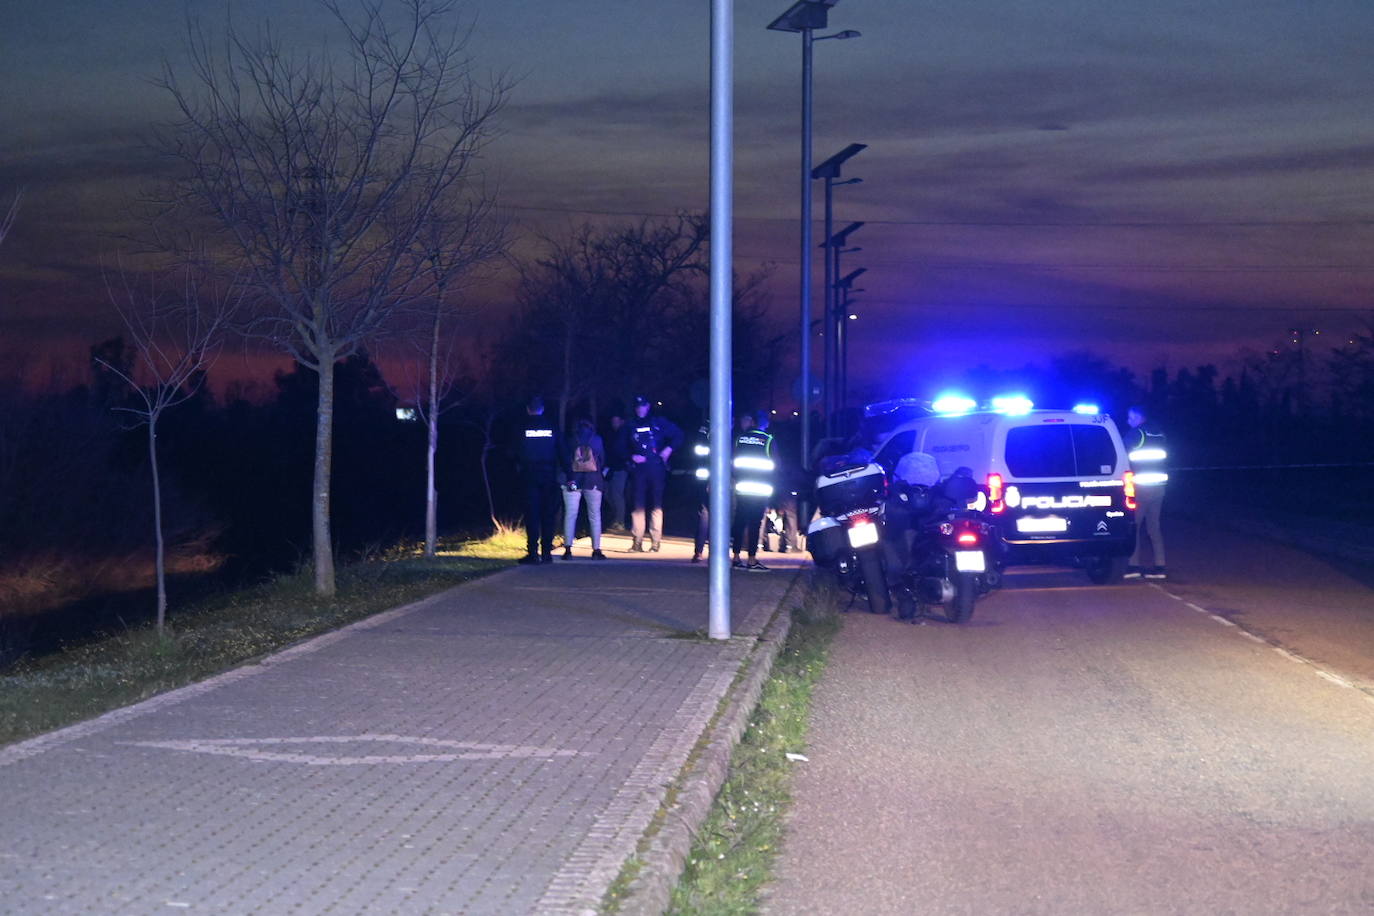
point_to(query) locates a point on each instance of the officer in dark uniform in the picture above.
(701, 480)
(649, 441)
(754, 473)
(540, 449)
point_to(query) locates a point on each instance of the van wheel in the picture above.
(1105, 570)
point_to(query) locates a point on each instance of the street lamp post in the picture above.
(834, 310)
(843, 287)
(804, 17)
(830, 171)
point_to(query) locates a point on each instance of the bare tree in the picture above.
(320, 175)
(454, 245)
(635, 279)
(173, 345)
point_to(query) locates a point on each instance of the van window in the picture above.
(1070, 450)
(895, 448)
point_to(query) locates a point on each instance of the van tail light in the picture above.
(995, 496)
(1128, 479)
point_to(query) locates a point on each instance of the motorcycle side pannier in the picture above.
(826, 540)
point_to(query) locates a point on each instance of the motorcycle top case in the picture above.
(849, 489)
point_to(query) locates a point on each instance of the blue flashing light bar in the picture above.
(1013, 404)
(1086, 409)
(953, 405)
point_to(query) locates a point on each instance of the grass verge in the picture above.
(733, 856)
(211, 636)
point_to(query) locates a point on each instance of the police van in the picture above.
(1057, 484)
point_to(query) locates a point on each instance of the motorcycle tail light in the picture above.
(968, 538)
(995, 495)
(1128, 479)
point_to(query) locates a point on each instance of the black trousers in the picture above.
(744, 533)
(703, 520)
(542, 500)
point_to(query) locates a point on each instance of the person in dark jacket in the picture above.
(617, 460)
(540, 450)
(585, 462)
(650, 441)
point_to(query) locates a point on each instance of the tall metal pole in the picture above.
(842, 323)
(839, 298)
(805, 457)
(722, 255)
(828, 320)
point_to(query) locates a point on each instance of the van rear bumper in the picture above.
(1065, 551)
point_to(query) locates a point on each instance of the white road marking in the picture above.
(253, 749)
(1334, 678)
(1322, 673)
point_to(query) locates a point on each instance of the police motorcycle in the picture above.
(953, 554)
(845, 537)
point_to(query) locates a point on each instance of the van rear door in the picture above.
(1061, 483)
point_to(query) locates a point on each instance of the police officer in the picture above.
(649, 441)
(540, 450)
(1148, 453)
(701, 481)
(754, 466)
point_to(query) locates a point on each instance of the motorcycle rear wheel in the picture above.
(875, 586)
(961, 605)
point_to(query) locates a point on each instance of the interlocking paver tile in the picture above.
(495, 749)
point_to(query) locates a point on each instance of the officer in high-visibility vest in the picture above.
(1148, 453)
(701, 481)
(754, 482)
(540, 452)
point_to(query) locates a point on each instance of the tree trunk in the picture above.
(487, 446)
(432, 415)
(160, 561)
(324, 454)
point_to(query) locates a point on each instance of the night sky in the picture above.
(1164, 182)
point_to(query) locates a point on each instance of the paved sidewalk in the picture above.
(498, 748)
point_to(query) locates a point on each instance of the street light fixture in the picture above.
(804, 17)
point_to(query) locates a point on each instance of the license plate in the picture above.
(1041, 525)
(970, 561)
(863, 534)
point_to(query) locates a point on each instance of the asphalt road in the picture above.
(1202, 747)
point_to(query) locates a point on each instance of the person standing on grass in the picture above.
(1148, 453)
(586, 462)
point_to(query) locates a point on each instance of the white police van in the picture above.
(1057, 483)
